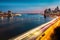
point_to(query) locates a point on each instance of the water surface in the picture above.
(12, 26)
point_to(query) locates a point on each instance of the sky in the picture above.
(27, 6)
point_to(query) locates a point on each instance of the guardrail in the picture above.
(36, 32)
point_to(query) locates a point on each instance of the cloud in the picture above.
(27, 5)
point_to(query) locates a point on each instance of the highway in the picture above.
(42, 32)
(49, 31)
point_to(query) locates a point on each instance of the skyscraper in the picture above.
(9, 13)
(56, 9)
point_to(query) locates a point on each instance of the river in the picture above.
(13, 26)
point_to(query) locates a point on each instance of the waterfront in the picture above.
(13, 26)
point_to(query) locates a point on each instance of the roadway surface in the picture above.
(42, 32)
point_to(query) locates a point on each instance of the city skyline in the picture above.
(34, 6)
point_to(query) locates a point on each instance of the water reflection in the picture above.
(12, 26)
(4, 20)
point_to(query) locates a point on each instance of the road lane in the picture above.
(49, 31)
(34, 33)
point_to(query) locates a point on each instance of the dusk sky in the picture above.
(27, 5)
